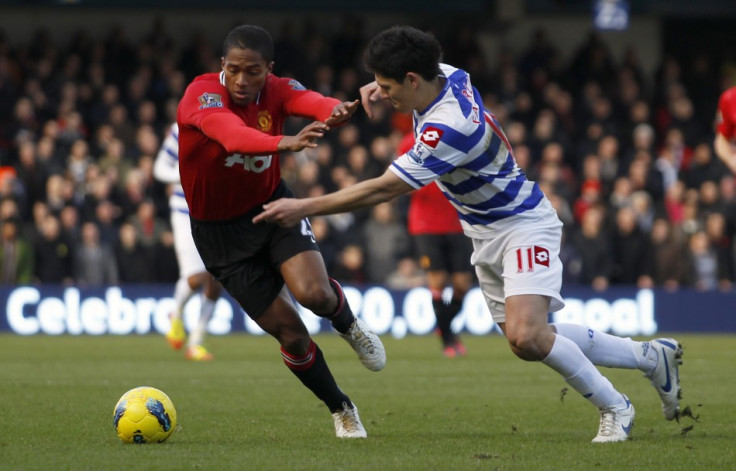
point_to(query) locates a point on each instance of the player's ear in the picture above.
(412, 79)
(222, 63)
(270, 67)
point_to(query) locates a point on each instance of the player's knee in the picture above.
(295, 342)
(526, 347)
(319, 299)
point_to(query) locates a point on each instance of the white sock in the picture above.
(205, 314)
(567, 359)
(610, 350)
(182, 293)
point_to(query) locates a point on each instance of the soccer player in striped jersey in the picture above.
(514, 229)
(193, 276)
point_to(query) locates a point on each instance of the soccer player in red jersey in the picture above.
(726, 129)
(444, 253)
(230, 134)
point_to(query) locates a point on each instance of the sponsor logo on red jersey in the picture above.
(431, 136)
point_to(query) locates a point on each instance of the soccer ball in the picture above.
(144, 415)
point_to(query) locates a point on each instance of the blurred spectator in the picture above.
(703, 263)
(407, 275)
(386, 242)
(350, 268)
(94, 262)
(52, 253)
(132, 258)
(16, 256)
(629, 246)
(593, 247)
(664, 256)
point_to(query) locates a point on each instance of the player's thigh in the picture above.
(236, 254)
(532, 266)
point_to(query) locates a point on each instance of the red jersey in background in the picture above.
(726, 124)
(229, 162)
(429, 210)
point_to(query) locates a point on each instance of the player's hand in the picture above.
(369, 94)
(307, 137)
(285, 212)
(342, 112)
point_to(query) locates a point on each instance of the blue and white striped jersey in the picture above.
(461, 146)
(166, 170)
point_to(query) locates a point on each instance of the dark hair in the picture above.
(249, 37)
(402, 49)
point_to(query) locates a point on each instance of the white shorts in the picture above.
(190, 263)
(520, 260)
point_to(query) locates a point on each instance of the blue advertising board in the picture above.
(144, 309)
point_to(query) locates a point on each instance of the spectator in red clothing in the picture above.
(444, 253)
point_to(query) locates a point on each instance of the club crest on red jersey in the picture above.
(431, 136)
(265, 121)
(210, 100)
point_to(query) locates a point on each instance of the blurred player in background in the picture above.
(193, 275)
(726, 129)
(444, 253)
(514, 228)
(230, 127)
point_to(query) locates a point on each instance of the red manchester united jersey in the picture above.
(429, 210)
(228, 158)
(727, 113)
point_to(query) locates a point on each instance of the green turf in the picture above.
(487, 411)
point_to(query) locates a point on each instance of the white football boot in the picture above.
(366, 344)
(616, 423)
(665, 377)
(347, 422)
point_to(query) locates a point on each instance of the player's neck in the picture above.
(429, 92)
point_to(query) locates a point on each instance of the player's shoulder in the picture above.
(284, 83)
(729, 95)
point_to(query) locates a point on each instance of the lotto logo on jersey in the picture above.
(431, 136)
(541, 256)
(528, 257)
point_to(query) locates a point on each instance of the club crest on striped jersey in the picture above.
(431, 136)
(210, 100)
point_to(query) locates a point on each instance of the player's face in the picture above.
(400, 94)
(245, 74)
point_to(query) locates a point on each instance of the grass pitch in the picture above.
(245, 410)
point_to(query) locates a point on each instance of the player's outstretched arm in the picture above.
(342, 112)
(725, 152)
(369, 93)
(307, 137)
(289, 211)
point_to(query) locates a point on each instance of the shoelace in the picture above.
(362, 340)
(347, 417)
(608, 422)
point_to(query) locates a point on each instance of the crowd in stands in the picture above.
(626, 157)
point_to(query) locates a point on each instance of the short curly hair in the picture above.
(402, 49)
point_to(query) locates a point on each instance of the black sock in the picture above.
(443, 321)
(313, 372)
(343, 317)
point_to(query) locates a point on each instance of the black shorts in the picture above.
(446, 252)
(246, 257)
